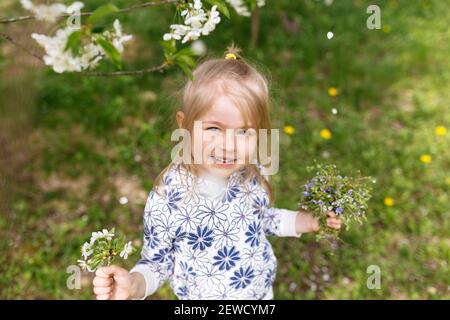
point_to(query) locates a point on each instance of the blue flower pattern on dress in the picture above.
(253, 234)
(226, 258)
(242, 278)
(201, 239)
(210, 248)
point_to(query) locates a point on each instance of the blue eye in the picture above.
(212, 128)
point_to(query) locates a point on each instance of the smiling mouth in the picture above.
(220, 160)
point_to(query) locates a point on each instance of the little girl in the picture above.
(207, 219)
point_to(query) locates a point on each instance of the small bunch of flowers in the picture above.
(196, 22)
(102, 249)
(330, 191)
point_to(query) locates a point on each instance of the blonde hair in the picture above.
(236, 78)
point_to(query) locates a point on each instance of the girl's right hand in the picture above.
(113, 282)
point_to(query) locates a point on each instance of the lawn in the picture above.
(72, 146)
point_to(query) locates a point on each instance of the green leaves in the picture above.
(102, 12)
(221, 6)
(183, 58)
(111, 51)
(94, 26)
(74, 42)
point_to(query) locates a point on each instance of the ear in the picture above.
(180, 118)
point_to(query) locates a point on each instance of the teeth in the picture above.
(223, 160)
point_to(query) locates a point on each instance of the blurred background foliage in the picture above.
(72, 146)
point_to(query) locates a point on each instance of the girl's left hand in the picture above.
(333, 221)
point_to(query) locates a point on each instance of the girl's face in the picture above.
(226, 143)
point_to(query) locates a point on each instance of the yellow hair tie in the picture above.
(230, 56)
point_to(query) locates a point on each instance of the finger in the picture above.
(115, 271)
(102, 290)
(102, 282)
(331, 214)
(335, 226)
(101, 272)
(103, 296)
(335, 220)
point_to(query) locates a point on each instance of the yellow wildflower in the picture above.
(389, 202)
(325, 134)
(333, 92)
(440, 131)
(425, 158)
(289, 130)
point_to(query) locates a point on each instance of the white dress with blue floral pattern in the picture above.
(209, 240)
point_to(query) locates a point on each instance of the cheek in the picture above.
(246, 146)
(208, 140)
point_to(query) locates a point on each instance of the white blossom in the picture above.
(119, 38)
(85, 266)
(56, 56)
(198, 47)
(123, 200)
(108, 235)
(242, 8)
(75, 7)
(91, 53)
(127, 248)
(213, 20)
(86, 250)
(197, 22)
(51, 12)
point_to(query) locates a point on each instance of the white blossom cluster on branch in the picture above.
(51, 12)
(91, 53)
(197, 22)
(77, 48)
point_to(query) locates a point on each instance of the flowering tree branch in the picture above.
(77, 47)
(86, 14)
(159, 68)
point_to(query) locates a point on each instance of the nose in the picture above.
(226, 147)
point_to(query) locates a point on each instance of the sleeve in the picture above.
(275, 221)
(157, 259)
(279, 222)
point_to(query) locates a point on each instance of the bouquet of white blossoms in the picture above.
(330, 191)
(102, 250)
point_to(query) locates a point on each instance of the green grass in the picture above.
(101, 138)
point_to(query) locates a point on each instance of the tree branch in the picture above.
(10, 39)
(83, 14)
(159, 68)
